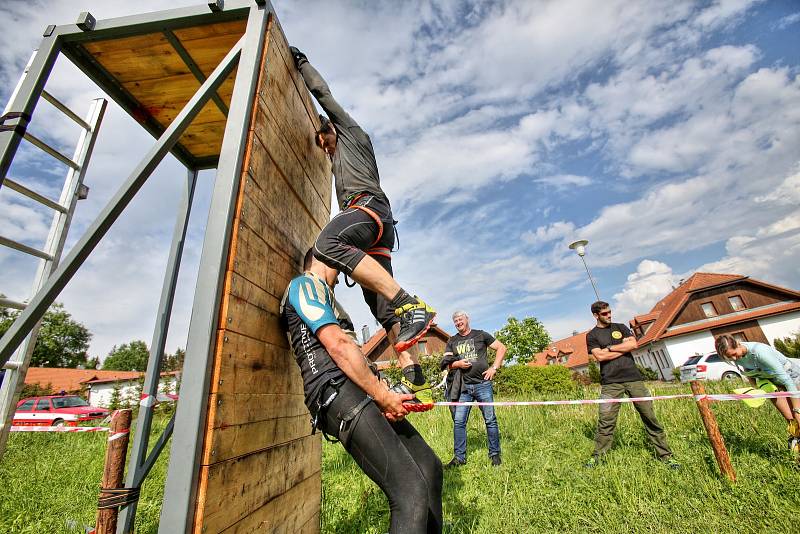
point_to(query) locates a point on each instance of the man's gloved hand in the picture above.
(298, 56)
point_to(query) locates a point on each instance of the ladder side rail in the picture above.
(14, 380)
(24, 99)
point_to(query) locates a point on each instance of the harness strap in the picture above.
(352, 204)
(380, 251)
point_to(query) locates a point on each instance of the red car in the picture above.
(56, 410)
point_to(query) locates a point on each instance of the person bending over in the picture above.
(359, 240)
(761, 361)
(349, 403)
(611, 345)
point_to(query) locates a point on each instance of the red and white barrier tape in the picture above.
(118, 435)
(711, 397)
(59, 429)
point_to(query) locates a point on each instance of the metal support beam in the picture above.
(54, 246)
(155, 453)
(45, 297)
(8, 303)
(25, 97)
(38, 143)
(16, 245)
(152, 374)
(56, 103)
(180, 492)
(187, 59)
(33, 195)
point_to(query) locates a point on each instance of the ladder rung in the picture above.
(25, 248)
(65, 110)
(12, 366)
(52, 151)
(21, 189)
(8, 303)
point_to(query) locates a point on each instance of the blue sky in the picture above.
(667, 134)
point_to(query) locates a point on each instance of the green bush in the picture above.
(430, 368)
(647, 373)
(676, 373)
(594, 372)
(524, 380)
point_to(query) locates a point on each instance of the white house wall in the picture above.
(681, 348)
(780, 326)
(101, 394)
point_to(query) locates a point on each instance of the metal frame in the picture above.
(177, 511)
(179, 504)
(137, 462)
(12, 384)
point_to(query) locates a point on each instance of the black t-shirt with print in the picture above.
(472, 348)
(622, 369)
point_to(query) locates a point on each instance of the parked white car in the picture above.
(708, 367)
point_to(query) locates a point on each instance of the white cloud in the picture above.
(545, 234)
(564, 182)
(651, 282)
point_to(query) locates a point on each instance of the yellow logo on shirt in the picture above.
(616, 334)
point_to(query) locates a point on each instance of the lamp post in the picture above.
(580, 247)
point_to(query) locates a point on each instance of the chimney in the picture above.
(575, 332)
(365, 333)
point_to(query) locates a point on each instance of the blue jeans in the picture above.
(481, 393)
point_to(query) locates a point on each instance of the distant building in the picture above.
(686, 321)
(96, 385)
(377, 347)
(570, 352)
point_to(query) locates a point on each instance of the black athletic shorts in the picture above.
(365, 227)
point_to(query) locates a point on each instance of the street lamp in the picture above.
(580, 247)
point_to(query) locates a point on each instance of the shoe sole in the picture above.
(417, 406)
(402, 346)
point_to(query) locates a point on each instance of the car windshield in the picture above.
(69, 402)
(693, 360)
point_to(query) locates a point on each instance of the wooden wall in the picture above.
(753, 296)
(261, 467)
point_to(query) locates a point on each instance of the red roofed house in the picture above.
(570, 352)
(686, 321)
(98, 385)
(377, 347)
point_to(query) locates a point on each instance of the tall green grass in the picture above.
(47, 479)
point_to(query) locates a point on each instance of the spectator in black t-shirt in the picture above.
(465, 356)
(611, 343)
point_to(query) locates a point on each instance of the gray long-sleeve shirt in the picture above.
(354, 165)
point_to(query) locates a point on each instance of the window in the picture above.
(43, 404)
(26, 406)
(708, 309)
(422, 347)
(714, 358)
(739, 336)
(563, 359)
(736, 303)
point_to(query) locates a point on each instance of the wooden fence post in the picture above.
(712, 429)
(113, 470)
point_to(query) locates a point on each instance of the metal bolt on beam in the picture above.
(86, 21)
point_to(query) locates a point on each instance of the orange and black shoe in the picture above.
(423, 396)
(415, 319)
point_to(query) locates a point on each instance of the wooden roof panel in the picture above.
(150, 69)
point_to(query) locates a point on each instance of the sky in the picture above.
(667, 134)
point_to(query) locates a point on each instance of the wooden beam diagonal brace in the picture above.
(190, 63)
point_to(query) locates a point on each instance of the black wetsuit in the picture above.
(394, 455)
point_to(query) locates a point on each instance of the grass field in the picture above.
(46, 480)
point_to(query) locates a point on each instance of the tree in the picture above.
(523, 338)
(128, 357)
(62, 341)
(789, 346)
(173, 362)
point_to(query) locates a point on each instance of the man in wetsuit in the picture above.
(349, 403)
(360, 239)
